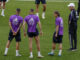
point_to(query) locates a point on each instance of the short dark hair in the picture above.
(18, 9)
(56, 12)
(31, 10)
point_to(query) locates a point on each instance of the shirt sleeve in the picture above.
(57, 22)
(37, 19)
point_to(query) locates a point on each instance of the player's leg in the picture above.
(60, 37)
(60, 49)
(53, 49)
(3, 9)
(30, 36)
(30, 47)
(37, 10)
(4, 4)
(75, 39)
(38, 46)
(53, 45)
(75, 43)
(8, 43)
(18, 40)
(37, 2)
(7, 47)
(71, 41)
(44, 8)
(17, 49)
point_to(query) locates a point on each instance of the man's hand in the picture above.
(41, 33)
(14, 33)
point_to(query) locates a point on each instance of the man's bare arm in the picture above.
(11, 26)
(39, 23)
(24, 28)
(19, 27)
(57, 30)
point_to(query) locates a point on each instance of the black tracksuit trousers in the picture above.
(73, 36)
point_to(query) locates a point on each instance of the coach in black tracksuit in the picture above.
(73, 27)
(78, 7)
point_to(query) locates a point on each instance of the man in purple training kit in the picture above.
(32, 21)
(58, 35)
(15, 24)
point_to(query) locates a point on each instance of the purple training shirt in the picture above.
(32, 21)
(59, 21)
(15, 21)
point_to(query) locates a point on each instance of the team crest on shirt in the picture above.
(31, 21)
(15, 21)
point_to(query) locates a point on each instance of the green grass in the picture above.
(45, 40)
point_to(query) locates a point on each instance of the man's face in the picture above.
(18, 12)
(55, 14)
(71, 8)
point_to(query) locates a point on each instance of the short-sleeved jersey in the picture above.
(15, 21)
(59, 21)
(32, 21)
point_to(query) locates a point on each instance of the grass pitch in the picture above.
(48, 29)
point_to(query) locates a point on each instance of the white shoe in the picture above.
(40, 56)
(74, 50)
(18, 55)
(2, 14)
(43, 15)
(31, 56)
(77, 17)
